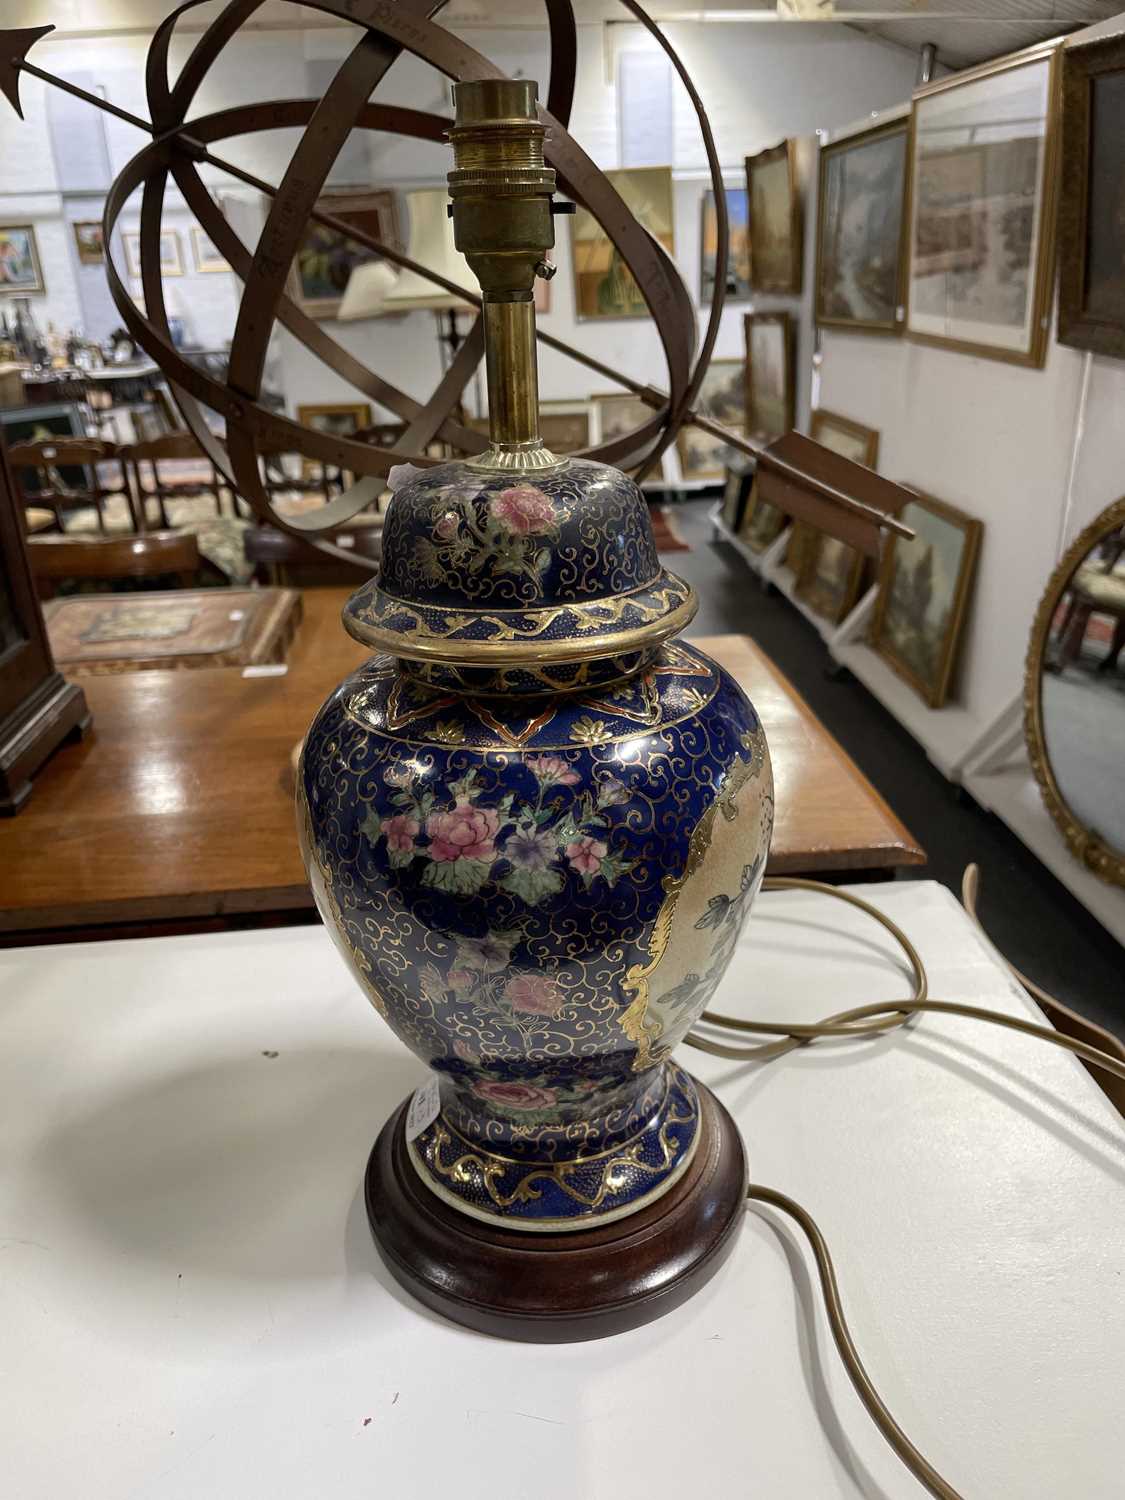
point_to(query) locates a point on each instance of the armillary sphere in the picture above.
(179, 147)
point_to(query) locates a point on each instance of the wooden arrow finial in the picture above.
(14, 47)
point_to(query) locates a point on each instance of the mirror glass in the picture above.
(1082, 687)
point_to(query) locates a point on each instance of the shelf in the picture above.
(785, 581)
(946, 734)
(1013, 795)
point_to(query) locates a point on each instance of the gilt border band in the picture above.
(507, 638)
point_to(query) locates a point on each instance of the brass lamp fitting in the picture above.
(503, 224)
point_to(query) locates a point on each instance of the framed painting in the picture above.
(20, 270)
(615, 415)
(564, 425)
(770, 386)
(861, 230)
(847, 438)
(171, 261)
(736, 491)
(1092, 198)
(604, 287)
(982, 181)
(829, 572)
(323, 264)
(762, 523)
(923, 595)
(830, 577)
(338, 419)
(722, 396)
(738, 257)
(774, 219)
(89, 242)
(205, 254)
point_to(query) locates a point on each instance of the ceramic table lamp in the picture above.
(534, 822)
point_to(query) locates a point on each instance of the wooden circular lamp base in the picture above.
(559, 1287)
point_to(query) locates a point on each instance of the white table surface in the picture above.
(191, 1306)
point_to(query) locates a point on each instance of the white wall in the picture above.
(759, 84)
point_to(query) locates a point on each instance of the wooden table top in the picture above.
(179, 805)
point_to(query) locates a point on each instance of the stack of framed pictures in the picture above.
(829, 573)
(942, 225)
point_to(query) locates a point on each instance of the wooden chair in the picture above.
(162, 487)
(150, 555)
(279, 558)
(59, 462)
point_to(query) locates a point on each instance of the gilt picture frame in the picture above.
(738, 288)
(338, 419)
(861, 249)
(171, 256)
(206, 255)
(830, 573)
(1092, 198)
(326, 257)
(604, 286)
(848, 438)
(775, 220)
(770, 378)
(89, 241)
(721, 396)
(924, 591)
(762, 523)
(21, 271)
(981, 188)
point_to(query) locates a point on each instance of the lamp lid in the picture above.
(495, 569)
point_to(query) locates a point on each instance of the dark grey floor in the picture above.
(1032, 918)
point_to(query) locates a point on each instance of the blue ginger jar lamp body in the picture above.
(533, 821)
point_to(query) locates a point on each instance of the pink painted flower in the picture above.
(460, 979)
(448, 526)
(552, 769)
(465, 833)
(515, 1095)
(534, 994)
(586, 855)
(401, 831)
(462, 1050)
(523, 509)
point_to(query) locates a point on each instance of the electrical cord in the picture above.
(878, 1020)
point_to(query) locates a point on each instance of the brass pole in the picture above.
(501, 189)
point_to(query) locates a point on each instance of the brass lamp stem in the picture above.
(501, 189)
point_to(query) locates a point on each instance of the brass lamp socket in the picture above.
(501, 186)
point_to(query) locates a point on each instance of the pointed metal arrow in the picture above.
(14, 47)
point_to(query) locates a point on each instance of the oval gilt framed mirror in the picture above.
(1074, 695)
